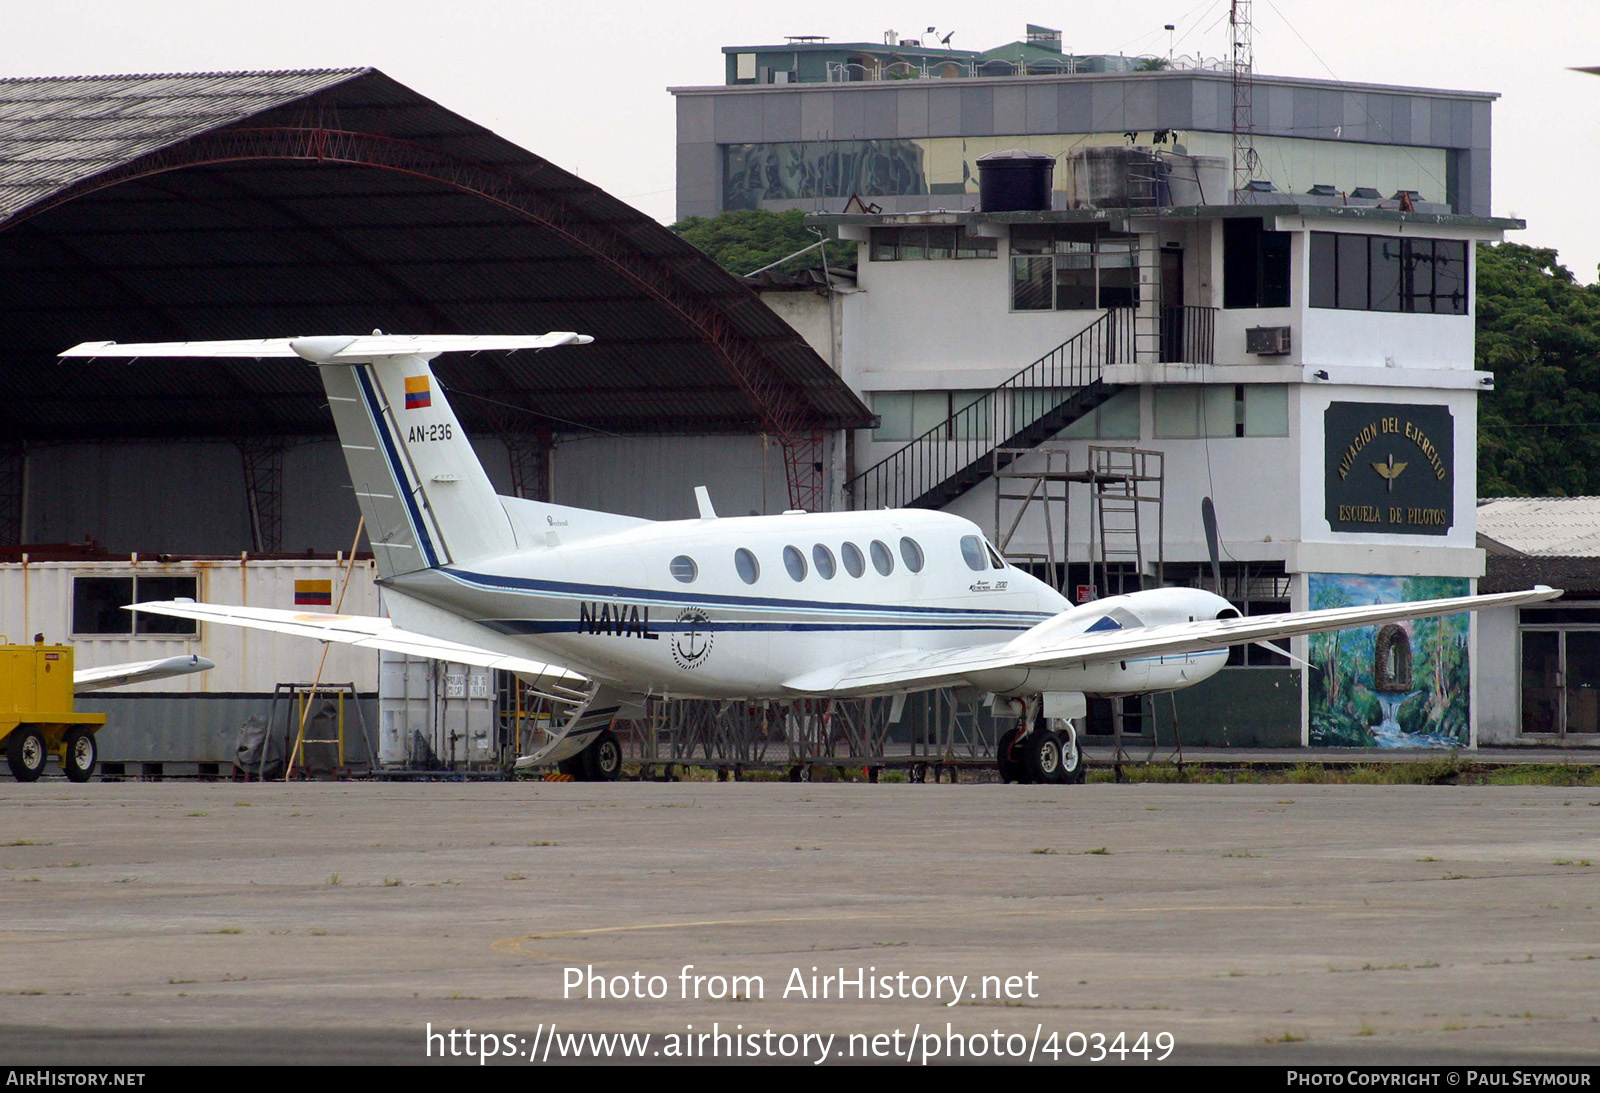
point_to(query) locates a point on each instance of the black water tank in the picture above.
(1015, 181)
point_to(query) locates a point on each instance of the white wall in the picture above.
(1376, 339)
(1251, 480)
(1497, 682)
(952, 316)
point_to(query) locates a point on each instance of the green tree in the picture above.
(1539, 333)
(743, 241)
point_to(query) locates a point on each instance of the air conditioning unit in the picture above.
(1267, 341)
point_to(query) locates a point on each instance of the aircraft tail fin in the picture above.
(423, 492)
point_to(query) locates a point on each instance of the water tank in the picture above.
(1015, 181)
(1118, 177)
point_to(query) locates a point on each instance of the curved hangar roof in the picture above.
(146, 208)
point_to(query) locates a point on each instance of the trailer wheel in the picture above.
(78, 754)
(25, 753)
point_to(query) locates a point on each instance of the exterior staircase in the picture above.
(1032, 406)
(1021, 413)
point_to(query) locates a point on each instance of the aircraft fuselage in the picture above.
(732, 607)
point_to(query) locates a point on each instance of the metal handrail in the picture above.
(1188, 335)
(991, 421)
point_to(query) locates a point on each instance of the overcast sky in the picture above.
(584, 84)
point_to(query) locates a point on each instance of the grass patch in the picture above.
(1450, 770)
(1286, 1037)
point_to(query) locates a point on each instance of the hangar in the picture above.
(180, 207)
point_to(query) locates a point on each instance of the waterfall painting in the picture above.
(1400, 685)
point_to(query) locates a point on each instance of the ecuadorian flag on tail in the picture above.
(313, 593)
(419, 395)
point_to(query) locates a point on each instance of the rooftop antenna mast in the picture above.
(1245, 161)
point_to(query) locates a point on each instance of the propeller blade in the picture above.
(1208, 517)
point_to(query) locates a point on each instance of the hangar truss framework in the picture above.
(185, 207)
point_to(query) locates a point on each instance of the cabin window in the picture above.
(854, 563)
(794, 562)
(911, 554)
(972, 553)
(822, 558)
(98, 602)
(684, 569)
(745, 562)
(882, 560)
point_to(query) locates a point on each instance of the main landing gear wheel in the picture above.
(1073, 771)
(25, 753)
(1044, 756)
(602, 760)
(1010, 758)
(78, 754)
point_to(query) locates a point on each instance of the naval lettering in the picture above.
(620, 620)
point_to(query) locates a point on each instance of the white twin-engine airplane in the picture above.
(597, 610)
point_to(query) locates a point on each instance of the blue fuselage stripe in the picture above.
(620, 627)
(572, 590)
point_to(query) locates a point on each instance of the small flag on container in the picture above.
(313, 593)
(419, 396)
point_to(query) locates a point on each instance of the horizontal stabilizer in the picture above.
(366, 631)
(333, 348)
(139, 671)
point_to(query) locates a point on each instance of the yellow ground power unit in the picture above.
(37, 715)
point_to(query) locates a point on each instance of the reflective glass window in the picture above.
(745, 562)
(882, 560)
(822, 558)
(911, 554)
(854, 563)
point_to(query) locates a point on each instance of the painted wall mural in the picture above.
(1401, 685)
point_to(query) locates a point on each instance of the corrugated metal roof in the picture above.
(59, 131)
(1544, 527)
(151, 208)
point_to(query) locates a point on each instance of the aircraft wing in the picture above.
(366, 631)
(909, 670)
(139, 671)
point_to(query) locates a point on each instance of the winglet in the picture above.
(702, 498)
